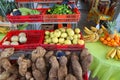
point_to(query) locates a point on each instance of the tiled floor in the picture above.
(83, 7)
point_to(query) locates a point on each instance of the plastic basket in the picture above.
(63, 17)
(62, 47)
(85, 76)
(28, 0)
(42, 0)
(34, 39)
(27, 18)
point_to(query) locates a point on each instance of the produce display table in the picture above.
(101, 67)
(1, 36)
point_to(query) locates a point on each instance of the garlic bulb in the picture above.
(22, 39)
(14, 43)
(6, 43)
(14, 38)
(22, 34)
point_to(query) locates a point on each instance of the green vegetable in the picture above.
(27, 11)
(60, 9)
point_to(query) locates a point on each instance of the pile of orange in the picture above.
(107, 40)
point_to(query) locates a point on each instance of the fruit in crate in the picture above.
(64, 36)
(92, 34)
(16, 39)
(110, 37)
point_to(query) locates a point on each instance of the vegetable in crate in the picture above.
(24, 11)
(60, 9)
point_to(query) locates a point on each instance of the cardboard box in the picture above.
(47, 27)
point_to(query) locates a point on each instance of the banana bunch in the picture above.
(3, 30)
(92, 34)
(114, 53)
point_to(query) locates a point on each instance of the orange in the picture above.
(115, 44)
(105, 42)
(112, 40)
(102, 39)
(108, 38)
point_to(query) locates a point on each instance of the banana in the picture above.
(96, 37)
(100, 31)
(109, 53)
(113, 53)
(104, 29)
(3, 30)
(118, 53)
(94, 29)
(87, 31)
(116, 57)
(89, 38)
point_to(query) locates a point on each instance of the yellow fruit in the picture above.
(109, 53)
(81, 42)
(113, 53)
(67, 42)
(77, 30)
(64, 35)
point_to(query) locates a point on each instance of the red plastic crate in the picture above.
(63, 17)
(28, 0)
(34, 39)
(42, 0)
(27, 18)
(62, 47)
(85, 76)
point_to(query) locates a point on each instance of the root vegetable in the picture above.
(7, 52)
(77, 69)
(85, 59)
(37, 75)
(38, 52)
(41, 66)
(53, 73)
(23, 65)
(28, 75)
(62, 72)
(70, 77)
(4, 75)
(12, 77)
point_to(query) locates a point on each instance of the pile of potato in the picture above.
(45, 65)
